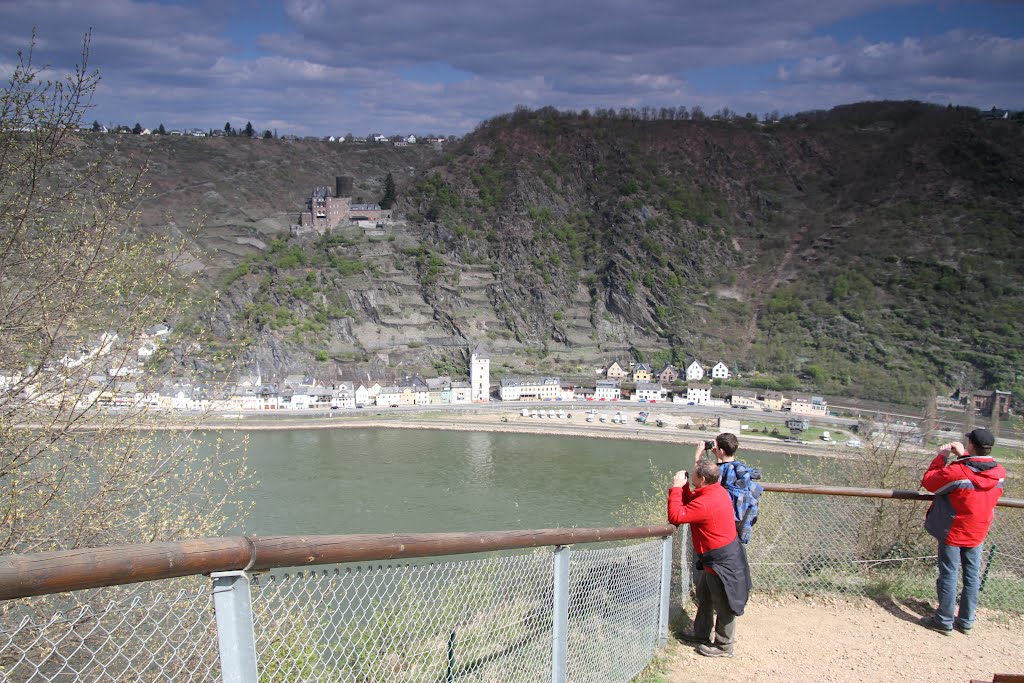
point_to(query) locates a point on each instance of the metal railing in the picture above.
(871, 543)
(525, 614)
(522, 612)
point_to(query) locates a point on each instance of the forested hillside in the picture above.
(871, 250)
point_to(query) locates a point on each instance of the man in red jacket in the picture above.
(723, 577)
(967, 483)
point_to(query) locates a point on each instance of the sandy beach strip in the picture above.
(670, 434)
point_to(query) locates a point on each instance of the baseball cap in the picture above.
(981, 437)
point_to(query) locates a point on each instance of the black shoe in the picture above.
(714, 651)
(930, 623)
(966, 630)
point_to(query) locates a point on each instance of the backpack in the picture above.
(740, 481)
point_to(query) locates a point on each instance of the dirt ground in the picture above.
(827, 639)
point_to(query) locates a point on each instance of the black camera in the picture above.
(709, 445)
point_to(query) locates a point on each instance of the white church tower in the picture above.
(480, 375)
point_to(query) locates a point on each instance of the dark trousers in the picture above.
(712, 605)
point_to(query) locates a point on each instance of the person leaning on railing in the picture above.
(723, 576)
(967, 483)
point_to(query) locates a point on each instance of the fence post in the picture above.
(232, 604)
(560, 615)
(666, 589)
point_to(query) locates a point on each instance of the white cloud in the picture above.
(335, 64)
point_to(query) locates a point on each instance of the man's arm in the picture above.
(682, 508)
(939, 473)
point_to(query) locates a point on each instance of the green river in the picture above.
(338, 481)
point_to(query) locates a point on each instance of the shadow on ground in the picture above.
(911, 610)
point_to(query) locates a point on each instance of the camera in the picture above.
(709, 445)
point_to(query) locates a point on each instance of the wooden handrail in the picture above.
(814, 489)
(70, 570)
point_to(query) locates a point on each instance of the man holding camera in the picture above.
(967, 483)
(723, 576)
(737, 478)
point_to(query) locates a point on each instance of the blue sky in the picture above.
(319, 67)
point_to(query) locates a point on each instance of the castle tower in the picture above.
(480, 375)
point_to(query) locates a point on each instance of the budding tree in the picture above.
(79, 286)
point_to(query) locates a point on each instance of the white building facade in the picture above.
(607, 390)
(694, 372)
(650, 392)
(480, 375)
(698, 393)
(720, 371)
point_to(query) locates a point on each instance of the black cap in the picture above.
(981, 437)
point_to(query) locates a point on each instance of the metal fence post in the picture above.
(560, 615)
(666, 589)
(232, 604)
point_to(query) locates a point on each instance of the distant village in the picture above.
(249, 132)
(120, 387)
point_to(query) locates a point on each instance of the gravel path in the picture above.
(827, 639)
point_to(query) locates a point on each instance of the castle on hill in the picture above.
(326, 211)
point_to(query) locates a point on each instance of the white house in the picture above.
(698, 393)
(720, 371)
(694, 372)
(362, 395)
(509, 388)
(389, 396)
(411, 139)
(650, 392)
(607, 390)
(530, 389)
(301, 399)
(808, 405)
(343, 398)
(461, 392)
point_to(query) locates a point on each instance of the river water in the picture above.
(339, 481)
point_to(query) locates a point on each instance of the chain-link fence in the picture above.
(585, 612)
(871, 547)
(157, 631)
(488, 619)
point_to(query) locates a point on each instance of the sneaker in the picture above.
(966, 630)
(930, 623)
(688, 636)
(714, 651)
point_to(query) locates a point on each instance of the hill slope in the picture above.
(869, 250)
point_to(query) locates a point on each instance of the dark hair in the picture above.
(979, 449)
(728, 443)
(707, 470)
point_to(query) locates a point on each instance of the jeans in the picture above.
(950, 559)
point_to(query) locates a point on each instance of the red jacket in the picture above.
(708, 511)
(966, 492)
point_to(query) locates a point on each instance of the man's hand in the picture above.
(951, 451)
(699, 454)
(680, 479)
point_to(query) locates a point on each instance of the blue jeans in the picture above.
(950, 559)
